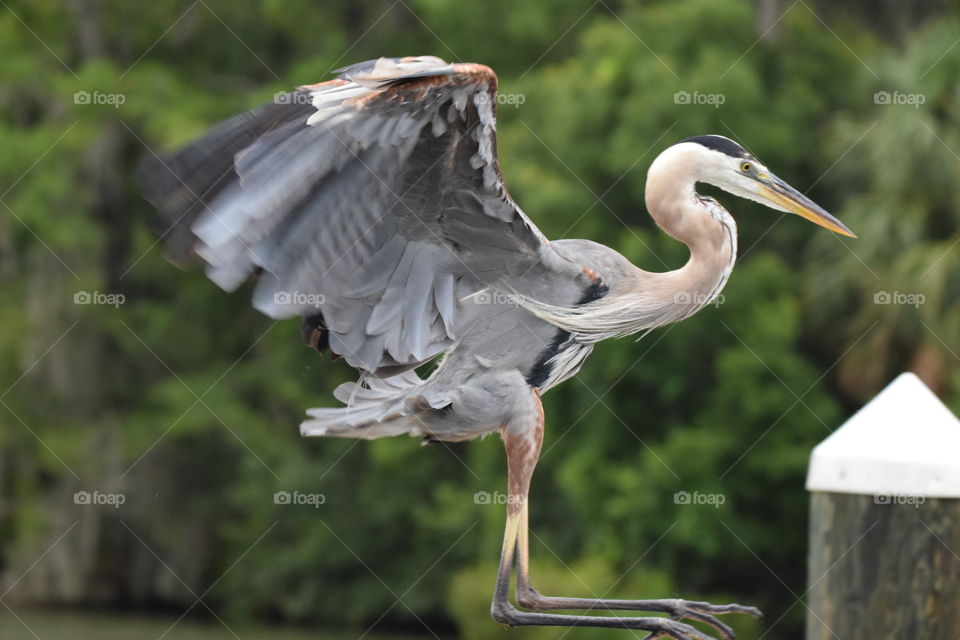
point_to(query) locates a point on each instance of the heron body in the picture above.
(373, 207)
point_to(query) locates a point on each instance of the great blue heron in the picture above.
(372, 205)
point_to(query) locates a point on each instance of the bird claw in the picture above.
(721, 609)
(706, 613)
(678, 611)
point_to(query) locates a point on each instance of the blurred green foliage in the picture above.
(187, 401)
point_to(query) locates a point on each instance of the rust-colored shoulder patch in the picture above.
(481, 72)
(416, 88)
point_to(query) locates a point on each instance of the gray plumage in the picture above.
(372, 206)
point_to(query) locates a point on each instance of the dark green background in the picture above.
(186, 401)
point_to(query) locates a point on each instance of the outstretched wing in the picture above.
(371, 204)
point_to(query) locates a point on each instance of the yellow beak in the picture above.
(789, 199)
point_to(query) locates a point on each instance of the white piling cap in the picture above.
(903, 442)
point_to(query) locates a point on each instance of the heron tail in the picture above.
(375, 408)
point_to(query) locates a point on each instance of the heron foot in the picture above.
(507, 614)
(704, 612)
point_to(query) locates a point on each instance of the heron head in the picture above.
(732, 168)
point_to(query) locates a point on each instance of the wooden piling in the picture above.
(884, 554)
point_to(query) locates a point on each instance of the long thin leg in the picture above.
(530, 598)
(523, 449)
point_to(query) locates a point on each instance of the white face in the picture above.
(750, 179)
(739, 176)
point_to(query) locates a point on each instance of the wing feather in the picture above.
(374, 199)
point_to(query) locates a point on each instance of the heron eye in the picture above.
(745, 167)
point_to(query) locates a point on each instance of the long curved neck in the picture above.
(639, 300)
(703, 225)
